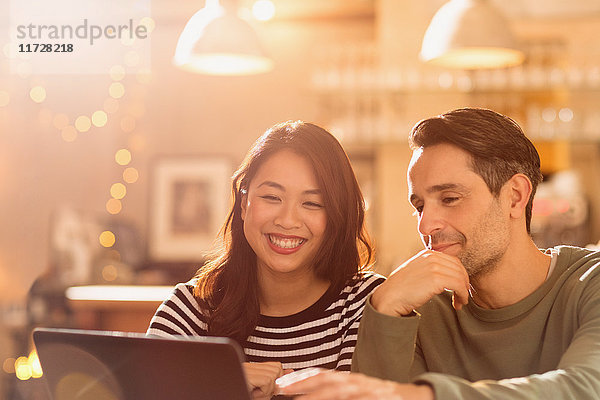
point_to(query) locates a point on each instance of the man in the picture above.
(481, 313)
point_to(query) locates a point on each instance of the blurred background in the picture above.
(115, 178)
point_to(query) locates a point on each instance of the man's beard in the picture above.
(489, 242)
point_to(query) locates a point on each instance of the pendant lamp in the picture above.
(470, 34)
(216, 41)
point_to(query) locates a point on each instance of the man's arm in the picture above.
(387, 334)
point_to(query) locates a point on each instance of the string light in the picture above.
(118, 191)
(37, 94)
(130, 175)
(107, 239)
(99, 118)
(83, 123)
(123, 157)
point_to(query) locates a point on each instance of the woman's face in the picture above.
(284, 215)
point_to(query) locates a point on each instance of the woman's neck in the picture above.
(289, 293)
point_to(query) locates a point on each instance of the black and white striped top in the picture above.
(323, 335)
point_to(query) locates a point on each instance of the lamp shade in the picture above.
(218, 42)
(470, 34)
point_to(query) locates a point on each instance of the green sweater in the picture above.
(547, 346)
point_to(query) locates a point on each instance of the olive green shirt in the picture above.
(546, 346)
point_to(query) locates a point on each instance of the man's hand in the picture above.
(420, 278)
(331, 385)
(261, 378)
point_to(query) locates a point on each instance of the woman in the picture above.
(287, 282)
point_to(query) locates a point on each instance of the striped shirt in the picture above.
(323, 335)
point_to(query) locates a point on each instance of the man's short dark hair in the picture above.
(497, 144)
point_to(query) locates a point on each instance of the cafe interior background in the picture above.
(119, 179)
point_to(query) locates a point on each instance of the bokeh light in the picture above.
(263, 10)
(117, 72)
(130, 175)
(116, 90)
(107, 239)
(128, 124)
(118, 190)
(114, 206)
(83, 123)
(69, 133)
(37, 94)
(109, 273)
(99, 118)
(123, 157)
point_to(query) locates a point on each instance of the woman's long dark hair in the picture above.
(227, 285)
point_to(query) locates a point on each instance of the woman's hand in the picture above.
(261, 378)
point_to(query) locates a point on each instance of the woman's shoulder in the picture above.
(361, 285)
(366, 279)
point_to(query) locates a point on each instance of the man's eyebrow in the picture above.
(447, 186)
(278, 186)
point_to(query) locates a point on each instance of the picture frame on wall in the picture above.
(189, 202)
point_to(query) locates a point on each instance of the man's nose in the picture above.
(430, 221)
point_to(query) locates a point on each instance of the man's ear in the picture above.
(244, 205)
(520, 191)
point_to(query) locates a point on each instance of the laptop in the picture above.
(101, 365)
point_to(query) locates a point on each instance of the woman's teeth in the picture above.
(285, 243)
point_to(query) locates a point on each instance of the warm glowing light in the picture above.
(565, 114)
(69, 133)
(128, 124)
(263, 10)
(549, 114)
(37, 94)
(22, 369)
(118, 293)
(83, 123)
(227, 64)
(109, 273)
(148, 23)
(114, 206)
(116, 90)
(60, 121)
(4, 98)
(111, 105)
(132, 58)
(117, 73)
(34, 361)
(9, 365)
(107, 239)
(115, 255)
(123, 157)
(130, 175)
(118, 190)
(99, 118)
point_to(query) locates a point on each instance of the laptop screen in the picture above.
(103, 365)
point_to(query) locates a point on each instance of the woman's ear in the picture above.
(520, 191)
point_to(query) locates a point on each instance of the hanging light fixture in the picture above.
(216, 41)
(470, 34)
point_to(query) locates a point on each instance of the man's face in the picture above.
(457, 213)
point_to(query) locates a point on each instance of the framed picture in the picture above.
(189, 203)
